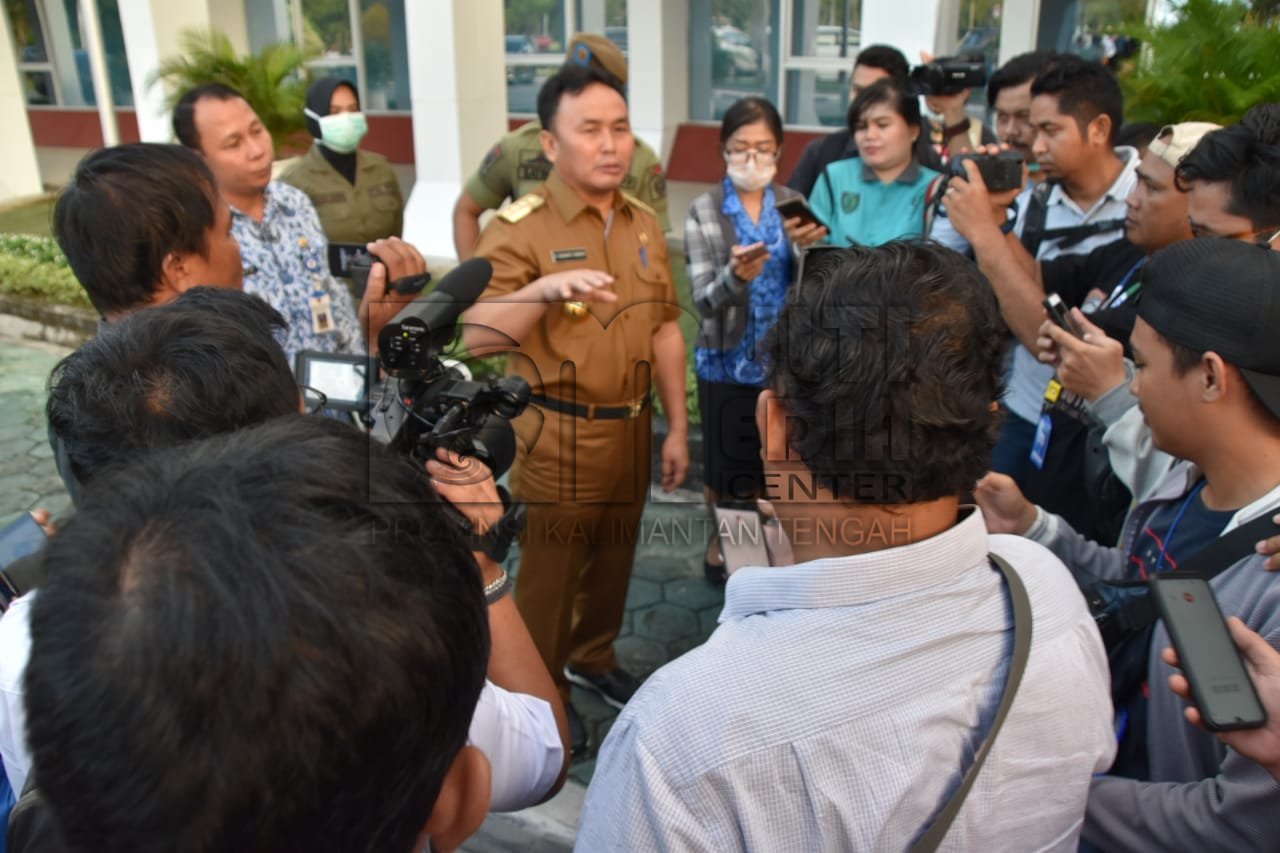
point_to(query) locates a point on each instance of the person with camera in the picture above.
(282, 244)
(879, 195)
(582, 292)
(841, 699)
(1076, 108)
(947, 84)
(1207, 369)
(309, 686)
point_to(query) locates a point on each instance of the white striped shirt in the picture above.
(840, 701)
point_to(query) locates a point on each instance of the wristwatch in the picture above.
(495, 590)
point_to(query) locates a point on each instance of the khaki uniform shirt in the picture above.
(552, 230)
(370, 210)
(516, 166)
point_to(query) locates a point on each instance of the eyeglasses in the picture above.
(739, 157)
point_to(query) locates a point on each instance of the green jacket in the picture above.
(371, 209)
(516, 165)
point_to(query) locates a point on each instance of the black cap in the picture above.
(1219, 295)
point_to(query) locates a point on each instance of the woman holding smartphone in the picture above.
(879, 195)
(741, 263)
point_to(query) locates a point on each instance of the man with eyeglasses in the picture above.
(282, 242)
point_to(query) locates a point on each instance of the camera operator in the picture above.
(260, 642)
(204, 365)
(1076, 108)
(947, 84)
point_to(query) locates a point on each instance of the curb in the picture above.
(29, 320)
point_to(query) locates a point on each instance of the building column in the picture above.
(658, 71)
(152, 33)
(1019, 26)
(21, 174)
(909, 25)
(457, 78)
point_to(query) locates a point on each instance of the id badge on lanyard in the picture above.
(319, 301)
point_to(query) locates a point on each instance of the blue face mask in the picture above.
(341, 132)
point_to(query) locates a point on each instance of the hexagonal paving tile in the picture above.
(642, 593)
(665, 623)
(660, 569)
(693, 593)
(639, 656)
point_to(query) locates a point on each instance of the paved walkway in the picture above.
(670, 607)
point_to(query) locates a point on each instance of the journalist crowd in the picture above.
(984, 384)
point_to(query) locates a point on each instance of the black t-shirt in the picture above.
(1060, 485)
(1194, 527)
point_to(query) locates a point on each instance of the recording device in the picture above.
(1209, 658)
(354, 261)
(430, 403)
(21, 538)
(796, 207)
(1000, 172)
(346, 382)
(1058, 314)
(948, 75)
(342, 254)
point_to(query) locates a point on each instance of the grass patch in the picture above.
(35, 268)
(33, 217)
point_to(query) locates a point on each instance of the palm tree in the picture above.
(273, 81)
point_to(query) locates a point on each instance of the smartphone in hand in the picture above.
(1220, 684)
(797, 207)
(1059, 314)
(755, 250)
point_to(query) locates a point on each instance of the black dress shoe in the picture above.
(577, 733)
(615, 687)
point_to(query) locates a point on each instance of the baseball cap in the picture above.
(1174, 140)
(1223, 296)
(595, 49)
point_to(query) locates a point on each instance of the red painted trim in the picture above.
(77, 128)
(391, 136)
(695, 155)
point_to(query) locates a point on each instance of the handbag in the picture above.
(932, 837)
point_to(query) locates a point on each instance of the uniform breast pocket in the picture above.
(384, 199)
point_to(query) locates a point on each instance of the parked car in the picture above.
(617, 35)
(829, 42)
(734, 54)
(518, 45)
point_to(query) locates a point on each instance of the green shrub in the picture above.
(1214, 62)
(35, 268)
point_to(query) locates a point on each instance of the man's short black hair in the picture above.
(127, 208)
(886, 58)
(895, 93)
(1246, 155)
(204, 364)
(184, 111)
(1085, 90)
(261, 641)
(1022, 69)
(888, 362)
(570, 80)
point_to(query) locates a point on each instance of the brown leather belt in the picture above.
(591, 411)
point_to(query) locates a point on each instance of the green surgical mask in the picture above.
(341, 132)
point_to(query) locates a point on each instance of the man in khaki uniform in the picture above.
(582, 290)
(516, 165)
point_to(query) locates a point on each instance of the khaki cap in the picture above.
(595, 49)
(1174, 140)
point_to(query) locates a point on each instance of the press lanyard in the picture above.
(1124, 290)
(1168, 538)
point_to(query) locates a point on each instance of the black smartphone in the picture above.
(341, 255)
(793, 207)
(1210, 660)
(1059, 315)
(22, 537)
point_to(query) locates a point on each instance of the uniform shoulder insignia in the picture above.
(521, 207)
(635, 202)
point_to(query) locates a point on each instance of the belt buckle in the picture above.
(636, 407)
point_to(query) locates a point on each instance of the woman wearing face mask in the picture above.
(356, 192)
(879, 195)
(740, 266)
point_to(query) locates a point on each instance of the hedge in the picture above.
(35, 268)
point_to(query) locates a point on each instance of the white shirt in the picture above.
(1028, 376)
(516, 731)
(840, 701)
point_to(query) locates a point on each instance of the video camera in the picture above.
(1000, 172)
(426, 402)
(948, 75)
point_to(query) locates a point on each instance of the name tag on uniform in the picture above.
(559, 256)
(321, 312)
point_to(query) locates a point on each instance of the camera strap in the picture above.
(1034, 231)
(937, 831)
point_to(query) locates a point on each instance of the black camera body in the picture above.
(948, 75)
(1000, 172)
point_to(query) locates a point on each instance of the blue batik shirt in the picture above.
(743, 365)
(286, 260)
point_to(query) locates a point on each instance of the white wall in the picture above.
(658, 70)
(909, 25)
(21, 174)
